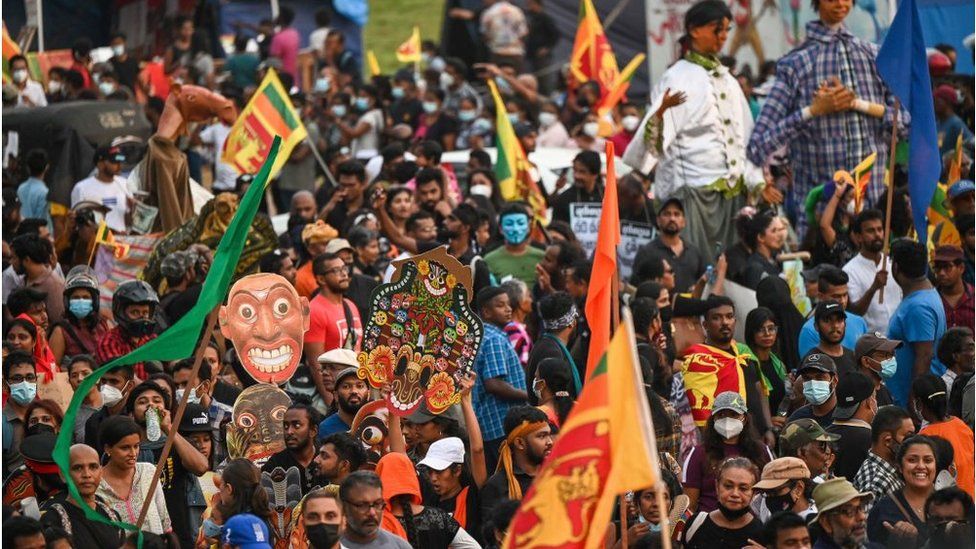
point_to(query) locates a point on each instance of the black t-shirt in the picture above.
(286, 460)
(127, 71)
(852, 448)
(407, 111)
(688, 267)
(845, 362)
(562, 201)
(750, 373)
(757, 269)
(61, 512)
(472, 521)
(360, 292)
(709, 535)
(444, 125)
(778, 390)
(806, 411)
(495, 489)
(176, 483)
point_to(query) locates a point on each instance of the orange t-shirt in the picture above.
(961, 437)
(305, 283)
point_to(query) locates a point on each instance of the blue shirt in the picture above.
(920, 317)
(331, 425)
(496, 359)
(32, 194)
(809, 338)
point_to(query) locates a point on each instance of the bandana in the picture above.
(505, 462)
(562, 322)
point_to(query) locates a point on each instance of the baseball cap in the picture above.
(443, 453)
(344, 373)
(195, 419)
(868, 343)
(729, 400)
(175, 265)
(828, 308)
(423, 414)
(336, 245)
(947, 93)
(852, 389)
(818, 361)
(960, 188)
(948, 252)
(342, 357)
(670, 201)
(833, 493)
(523, 129)
(778, 472)
(245, 531)
(403, 75)
(802, 432)
(109, 153)
(813, 273)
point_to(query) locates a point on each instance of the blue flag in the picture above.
(903, 66)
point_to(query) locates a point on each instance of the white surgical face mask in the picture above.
(630, 122)
(118, 50)
(446, 80)
(480, 190)
(110, 394)
(546, 119)
(591, 128)
(728, 427)
(54, 86)
(20, 76)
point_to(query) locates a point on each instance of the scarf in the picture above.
(505, 462)
(43, 357)
(777, 365)
(709, 371)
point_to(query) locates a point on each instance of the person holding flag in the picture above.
(696, 130)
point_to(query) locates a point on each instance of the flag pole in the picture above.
(614, 323)
(175, 418)
(890, 182)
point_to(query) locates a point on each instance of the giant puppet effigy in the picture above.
(422, 335)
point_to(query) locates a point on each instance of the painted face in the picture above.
(515, 228)
(266, 319)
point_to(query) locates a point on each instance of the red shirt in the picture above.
(328, 324)
(115, 344)
(963, 314)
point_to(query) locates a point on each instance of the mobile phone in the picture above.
(719, 250)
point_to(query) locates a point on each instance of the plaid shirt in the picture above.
(114, 344)
(877, 476)
(820, 146)
(964, 313)
(496, 359)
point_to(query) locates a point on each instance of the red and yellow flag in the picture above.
(409, 51)
(105, 237)
(512, 165)
(955, 169)
(605, 448)
(599, 297)
(862, 178)
(10, 49)
(593, 59)
(269, 113)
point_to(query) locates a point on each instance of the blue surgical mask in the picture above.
(397, 93)
(430, 107)
(107, 88)
(467, 116)
(817, 392)
(81, 308)
(482, 124)
(888, 368)
(339, 110)
(362, 103)
(513, 117)
(515, 228)
(321, 85)
(23, 393)
(210, 529)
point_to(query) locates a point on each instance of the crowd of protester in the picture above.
(850, 426)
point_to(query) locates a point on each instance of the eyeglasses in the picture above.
(337, 271)
(30, 378)
(852, 511)
(366, 506)
(769, 330)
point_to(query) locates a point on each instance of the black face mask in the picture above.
(783, 502)
(732, 514)
(666, 314)
(141, 328)
(322, 536)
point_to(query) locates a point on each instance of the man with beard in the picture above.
(348, 197)
(527, 443)
(62, 511)
(362, 505)
(301, 213)
(684, 258)
(957, 295)
(868, 275)
(457, 232)
(300, 424)
(831, 323)
(843, 515)
(339, 455)
(351, 393)
(832, 286)
(430, 194)
(334, 320)
(559, 319)
(517, 258)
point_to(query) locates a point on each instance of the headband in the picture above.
(562, 322)
(505, 455)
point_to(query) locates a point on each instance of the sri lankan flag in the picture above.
(512, 165)
(862, 178)
(593, 59)
(409, 51)
(267, 114)
(105, 237)
(10, 49)
(605, 448)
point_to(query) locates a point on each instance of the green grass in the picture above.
(392, 21)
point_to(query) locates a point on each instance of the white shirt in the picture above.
(367, 146)
(113, 195)
(860, 272)
(555, 135)
(316, 40)
(34, 92)
(704, 139)
(214, 137)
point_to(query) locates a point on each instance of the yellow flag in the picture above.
(374, 65)
(409, 51)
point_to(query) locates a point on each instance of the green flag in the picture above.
(180, 340)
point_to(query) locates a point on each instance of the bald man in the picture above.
(62, 511)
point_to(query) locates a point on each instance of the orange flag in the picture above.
(599, 296)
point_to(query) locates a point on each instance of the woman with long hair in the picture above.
(553, 386)
(23, 334)
(898, 519)
(774, 294)
(241, 492)
(761, 339)
(126, 481)
(729, 432)
(930, 404)
(81, 326)
(765, 234)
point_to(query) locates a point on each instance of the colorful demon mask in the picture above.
(371, 428)
(284, 489)
(266, 320)
(256, 430)
(422, 335)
